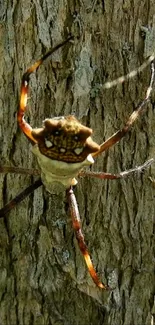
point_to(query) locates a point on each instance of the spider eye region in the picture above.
(57, 133)
(76, 137)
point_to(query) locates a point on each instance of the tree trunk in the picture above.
(43, 277)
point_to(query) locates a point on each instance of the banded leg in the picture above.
(73, 207)
(8, 207)
(26, 128)
(126, 173)
(116, 137)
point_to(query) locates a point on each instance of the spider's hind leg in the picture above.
(73, 207)
(19, 170)
(124, 174)
(20, 197)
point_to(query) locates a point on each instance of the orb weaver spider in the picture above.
(63, 146)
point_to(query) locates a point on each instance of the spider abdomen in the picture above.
(55, 171)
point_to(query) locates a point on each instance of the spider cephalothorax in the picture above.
(65, 139)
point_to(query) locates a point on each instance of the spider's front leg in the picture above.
(26, 128)
(116, 137)
(76, 222)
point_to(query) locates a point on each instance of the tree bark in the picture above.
(43, 277)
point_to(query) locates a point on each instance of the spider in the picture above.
(63, 146)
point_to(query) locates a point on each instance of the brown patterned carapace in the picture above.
(65, 139)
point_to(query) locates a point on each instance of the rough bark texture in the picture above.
(43, 277)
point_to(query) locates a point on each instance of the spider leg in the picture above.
(20, 198)
(18, 170)
(121, 133)
(73, 207)
(126, 173)
(131, 74)
(26, 128)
